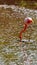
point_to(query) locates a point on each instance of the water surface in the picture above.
(12, 51)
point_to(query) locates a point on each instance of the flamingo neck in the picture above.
(23, 30)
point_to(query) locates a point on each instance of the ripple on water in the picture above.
(13, 52)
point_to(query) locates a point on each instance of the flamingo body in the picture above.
(28, 20)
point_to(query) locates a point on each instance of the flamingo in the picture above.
(27, 22)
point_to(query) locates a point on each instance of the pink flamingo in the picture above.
(27, 22)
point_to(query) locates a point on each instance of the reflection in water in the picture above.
(12, 51)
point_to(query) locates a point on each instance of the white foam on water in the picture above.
(24, 40)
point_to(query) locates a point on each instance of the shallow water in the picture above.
(12, 51)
